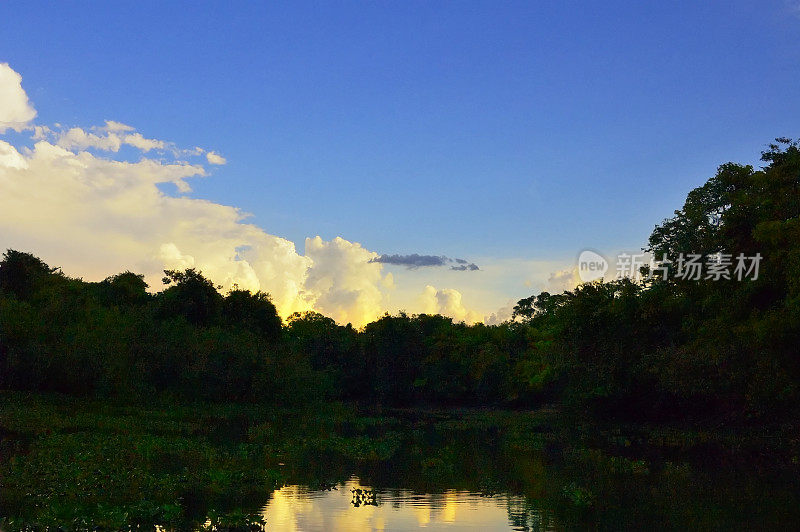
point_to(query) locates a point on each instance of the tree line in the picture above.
(663, 347)
(190, 342)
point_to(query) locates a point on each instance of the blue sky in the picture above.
(486, 130)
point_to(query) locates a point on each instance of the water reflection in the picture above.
(479, 471)
(295, 508)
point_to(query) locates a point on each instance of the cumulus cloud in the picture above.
(110, 137)
(215, 158)
(503, 314)
(16, 111)
(96, 216)
(138, 141)
(447, 302)
(77, 138)
(414, 261)
(10, 157)
(566, 279)
(117, 127)
(344, 280)
(68, 200)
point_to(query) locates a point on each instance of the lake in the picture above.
(342, 508)
(79, 464)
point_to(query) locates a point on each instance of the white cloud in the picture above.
(10, 157)
(173, 258)
(116, 126)
(78, 139)
(566, 279)
(138, 141)
(504, 313)
(95, 216)
(446, 302)
(15, 110)
(110, 137)
(215, 158)
(343, 282)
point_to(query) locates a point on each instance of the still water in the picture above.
(353, 506)
(243, 470)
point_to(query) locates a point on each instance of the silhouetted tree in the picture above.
(21, 274)
(124, 289)
(192, 296)
(254, 312)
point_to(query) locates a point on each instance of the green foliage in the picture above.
(22, 274)
(662, 348)
(123, 290)
(692, 349)
(252, 312)
(192, 296)
(114, 339)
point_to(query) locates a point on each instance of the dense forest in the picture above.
(663, 348)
